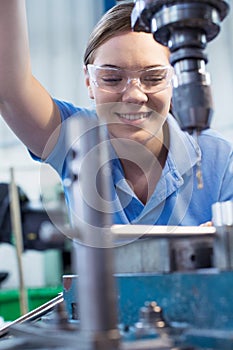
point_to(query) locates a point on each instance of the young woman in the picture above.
(129, 77)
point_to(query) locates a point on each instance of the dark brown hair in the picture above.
(116, 21)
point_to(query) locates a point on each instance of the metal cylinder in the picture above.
(91, 217)
(222, 217)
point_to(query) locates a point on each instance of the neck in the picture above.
(143, 155)
(143, 164)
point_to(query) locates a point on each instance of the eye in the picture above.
(110, 77)
(153, 77)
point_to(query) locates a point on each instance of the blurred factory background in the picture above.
(58, 31)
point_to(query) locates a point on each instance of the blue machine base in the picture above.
(202, 300)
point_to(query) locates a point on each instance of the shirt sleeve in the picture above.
(58, 156)
(218, 160)
(226, 193)
(59, 153)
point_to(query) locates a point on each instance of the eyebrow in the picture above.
(125, 68)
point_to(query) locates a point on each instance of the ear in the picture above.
(88, 83)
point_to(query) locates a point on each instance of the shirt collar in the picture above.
(184, 151)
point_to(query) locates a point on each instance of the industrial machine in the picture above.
(175, 290)
(185, 27)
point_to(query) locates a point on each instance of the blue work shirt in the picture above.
(176, 199)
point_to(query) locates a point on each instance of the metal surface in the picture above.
(130, 232)
(29, 337)
(91, 216)
(223, 244)
(162, 248)
(198, 304)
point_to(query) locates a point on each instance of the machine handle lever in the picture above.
(34, 314)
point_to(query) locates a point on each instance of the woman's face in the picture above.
(131, 114)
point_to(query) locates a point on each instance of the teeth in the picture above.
(133, 116)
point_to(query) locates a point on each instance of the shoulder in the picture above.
(209, 140)
(57, 158)
(68, 109)
(213, 142)
(209, 146)
(217, 163)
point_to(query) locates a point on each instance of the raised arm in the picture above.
(24, 104)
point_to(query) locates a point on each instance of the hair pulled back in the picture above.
(115, 21)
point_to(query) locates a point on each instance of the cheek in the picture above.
(104, 107)
(160, 102)
(102, 97)
(105, 103)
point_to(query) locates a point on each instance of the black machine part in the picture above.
(34, 217)
(185, 26)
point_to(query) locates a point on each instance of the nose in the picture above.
(133, 93)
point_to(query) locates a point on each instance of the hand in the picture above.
(207, 224)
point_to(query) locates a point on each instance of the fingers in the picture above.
(207, 224)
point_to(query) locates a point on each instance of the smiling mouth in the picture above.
(134, 116)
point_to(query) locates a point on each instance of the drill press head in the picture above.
(185, 26)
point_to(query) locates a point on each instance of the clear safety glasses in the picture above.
(116, 80)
